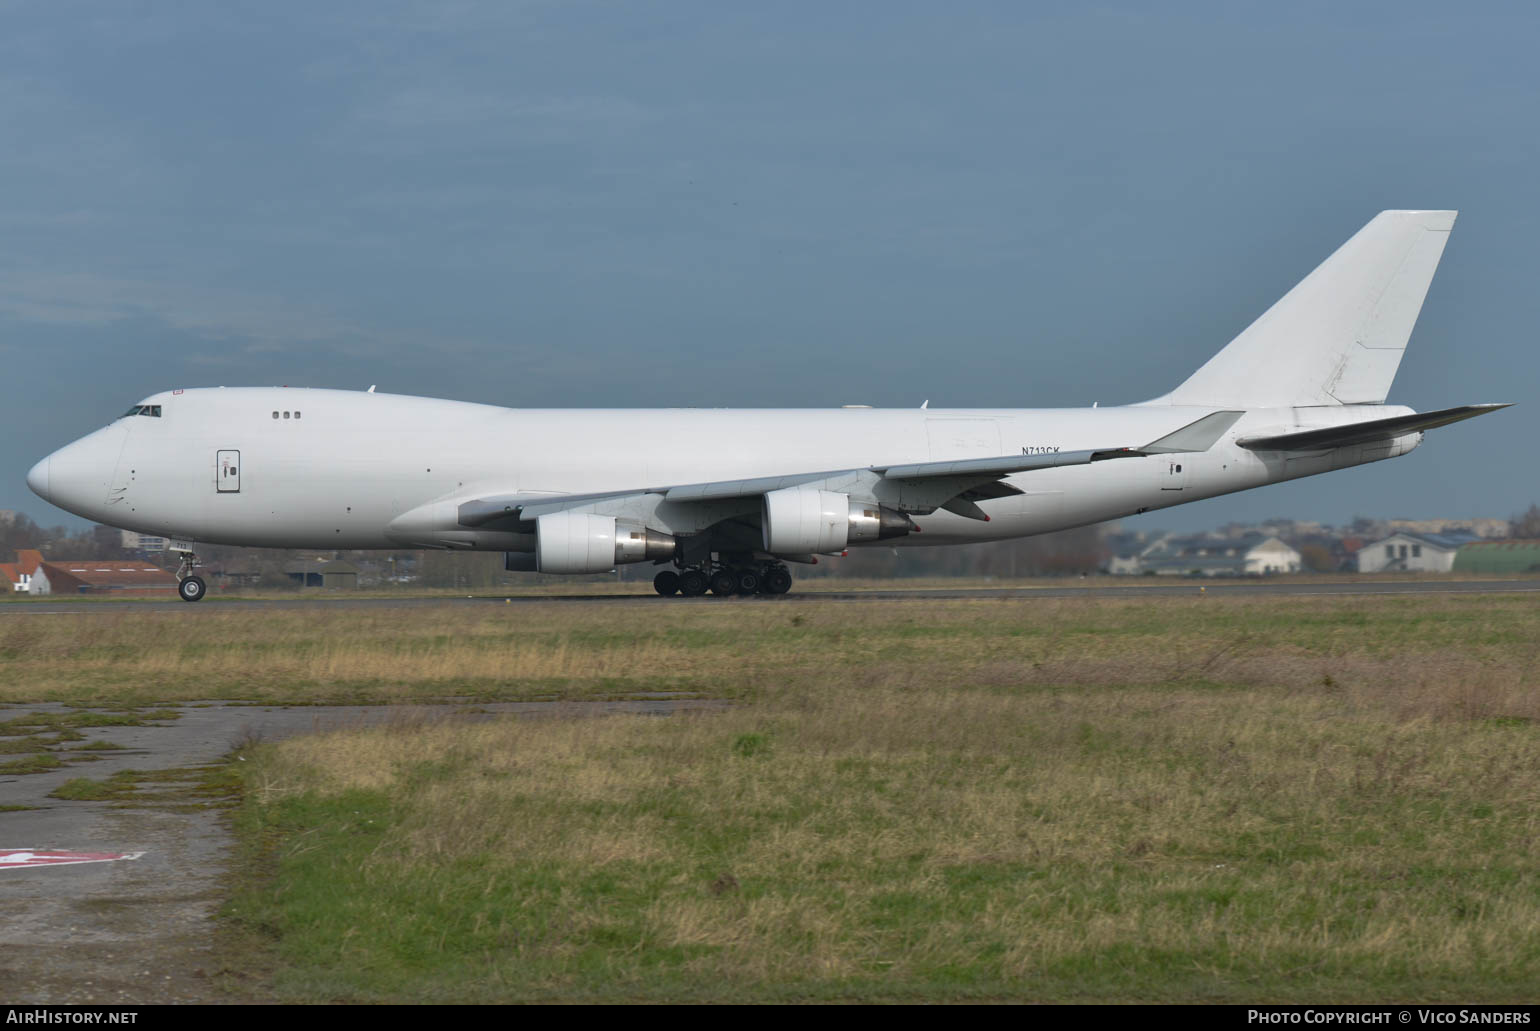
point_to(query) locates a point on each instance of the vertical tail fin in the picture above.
(1336, 338)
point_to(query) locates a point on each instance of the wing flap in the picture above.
(743, 488)
(514, 508)
(994, 468)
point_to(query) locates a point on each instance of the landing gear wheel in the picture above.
(723, 583)
(666, 583)
(191, 589)
(777, 581)
(692, 583)
(748, 581)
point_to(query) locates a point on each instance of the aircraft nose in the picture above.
(37, 478)
(78, 476)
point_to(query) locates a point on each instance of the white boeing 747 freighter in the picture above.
(722, 498)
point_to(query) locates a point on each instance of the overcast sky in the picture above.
(734, 204)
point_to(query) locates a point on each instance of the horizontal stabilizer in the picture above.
(1365, 432)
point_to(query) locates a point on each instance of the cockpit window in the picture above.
(132, 411)
(153, 411)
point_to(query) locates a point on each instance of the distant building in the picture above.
(1509, 556)
(1408, 552)
(335, 574)
(243, 572)
(1124, 547)
(1124, 565)
(1488, 529)
(143, 543)
(96, 576)
(1210, 555)
(20, 573)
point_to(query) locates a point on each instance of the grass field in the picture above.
(122, 654)
(1090, 799)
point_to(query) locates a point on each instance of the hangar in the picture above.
(1504, 556)
(96, 576)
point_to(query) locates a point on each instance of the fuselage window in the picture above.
(296, 415)
(285, 415)
(275, 415)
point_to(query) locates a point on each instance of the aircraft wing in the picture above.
(916, 487)
(1365, 432)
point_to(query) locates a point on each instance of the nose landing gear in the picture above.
(189, 587)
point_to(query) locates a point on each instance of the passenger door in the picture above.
(228, 472)
(1174, 476)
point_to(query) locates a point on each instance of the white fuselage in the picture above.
(335, 468)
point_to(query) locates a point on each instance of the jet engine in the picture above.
(804, 520)
(581, 542)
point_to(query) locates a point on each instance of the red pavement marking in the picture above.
(15, 857)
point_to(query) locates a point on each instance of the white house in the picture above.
(1207, 555)
(1408, 552)
(19, 574)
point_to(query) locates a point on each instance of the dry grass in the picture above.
(1471, 654)
(1317, 800)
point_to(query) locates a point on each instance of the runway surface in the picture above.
(140, 931)
(644, 595)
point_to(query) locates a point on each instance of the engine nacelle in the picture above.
(802, 520)
(581, 542)
(805, 520)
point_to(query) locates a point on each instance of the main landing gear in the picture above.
(189, 587)
(724, 580)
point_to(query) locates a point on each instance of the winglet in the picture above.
(1195, 436)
